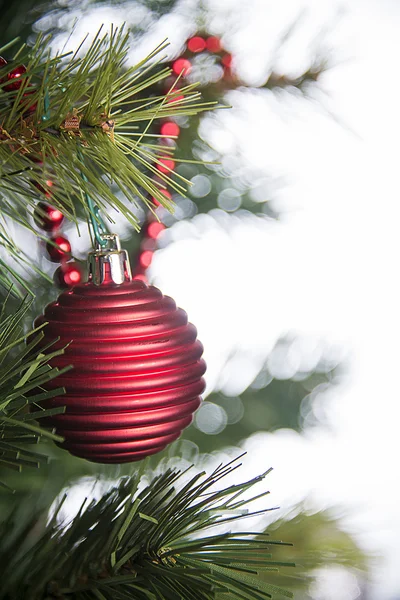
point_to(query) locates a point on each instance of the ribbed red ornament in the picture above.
(137, 375)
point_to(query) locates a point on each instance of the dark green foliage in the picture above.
(22, 373)
(158, 543)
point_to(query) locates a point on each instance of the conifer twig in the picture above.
(161, 543)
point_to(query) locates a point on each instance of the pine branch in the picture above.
(23, 370)
(161, 543)
(82, 122)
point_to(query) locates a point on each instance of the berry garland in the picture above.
(58, 247)
(169, 132)
(47, 217)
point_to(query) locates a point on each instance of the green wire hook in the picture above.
(98, 226)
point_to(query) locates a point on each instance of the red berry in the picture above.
(213, 44)
(154, 229)
(60, 251)
(68, 275)
(182, 65)
(227, 60)
(44, 190)
(14, 78)
(47, 217)
(145, 258)
(170, 128)
(196, 44)
(166, 165)
(165, 193)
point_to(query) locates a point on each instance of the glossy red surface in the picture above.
(137, 374)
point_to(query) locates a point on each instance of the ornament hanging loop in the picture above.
(108, 263)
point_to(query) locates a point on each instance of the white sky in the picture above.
(328, 271)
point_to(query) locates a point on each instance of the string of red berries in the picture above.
(46, 217)
(169, 133)
(58, 247)
(200, 44)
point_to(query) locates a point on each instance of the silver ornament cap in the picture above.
(109, 262)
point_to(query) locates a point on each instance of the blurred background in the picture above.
(284, 254)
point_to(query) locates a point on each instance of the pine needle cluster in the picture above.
(160, 543)
(83, 121)
(22, 373)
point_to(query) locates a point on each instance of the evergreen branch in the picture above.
(121, 547)
(71, 105)
(23, 372)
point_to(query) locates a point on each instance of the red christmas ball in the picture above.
(196, 44)
(67, 275)
(137, 375)
(60, 251)
(182, 65)
(47, 217)
(14, 78)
